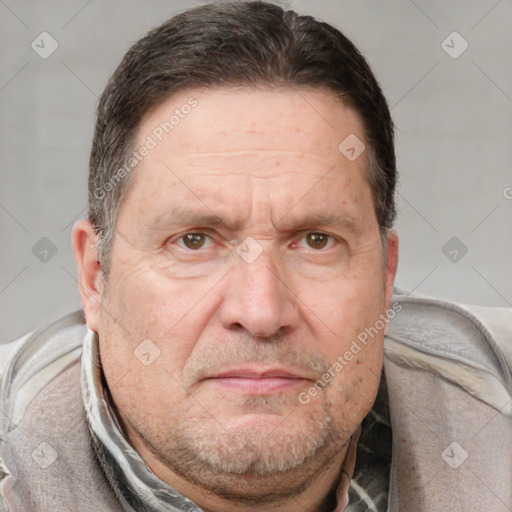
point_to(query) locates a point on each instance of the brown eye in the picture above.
(193, 240)
(317, 240)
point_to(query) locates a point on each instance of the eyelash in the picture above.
(331, 238)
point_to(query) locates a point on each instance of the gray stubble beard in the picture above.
(241, 467)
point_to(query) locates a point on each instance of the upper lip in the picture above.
(254, 373)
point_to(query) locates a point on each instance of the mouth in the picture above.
(255, 381)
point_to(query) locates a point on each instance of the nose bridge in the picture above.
(257, 298)
(262, 278)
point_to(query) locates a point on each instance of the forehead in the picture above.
(312, 121)
(281, 144)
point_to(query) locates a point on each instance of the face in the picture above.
(246, 261)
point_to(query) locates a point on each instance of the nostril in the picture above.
(237, 326)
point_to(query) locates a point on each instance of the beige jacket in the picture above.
(448, 372)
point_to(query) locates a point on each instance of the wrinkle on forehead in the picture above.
(255, 132)
(255, 155)
(253, 163)
(256, 163)
(319, 156)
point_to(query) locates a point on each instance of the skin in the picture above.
(261, 162)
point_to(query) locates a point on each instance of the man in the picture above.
(236, 274)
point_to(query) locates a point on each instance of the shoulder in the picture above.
(47, 461)
(471, 346)
(33, 360)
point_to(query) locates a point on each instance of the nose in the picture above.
(258, 299)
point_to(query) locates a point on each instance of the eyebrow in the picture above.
(289, 222)
(178, 216)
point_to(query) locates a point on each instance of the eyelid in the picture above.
(177, 238)
(333, 238)
(208, 234)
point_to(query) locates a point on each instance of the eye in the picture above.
(194, 241)
(317, 240)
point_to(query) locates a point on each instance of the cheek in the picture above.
(148, 399)
(147, 305)
(150, 326)
(353, 389)
(347, 314)
(343, 309)
(142, 371)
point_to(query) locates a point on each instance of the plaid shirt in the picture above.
(370, 483)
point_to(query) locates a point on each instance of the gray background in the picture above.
(453, 119)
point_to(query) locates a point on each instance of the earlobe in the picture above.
(84, 241)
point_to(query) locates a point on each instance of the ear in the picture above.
(84, 241)
(392, 262)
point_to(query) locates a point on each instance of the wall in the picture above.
(452, 112)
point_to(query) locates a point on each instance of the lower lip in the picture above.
(259, 386)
